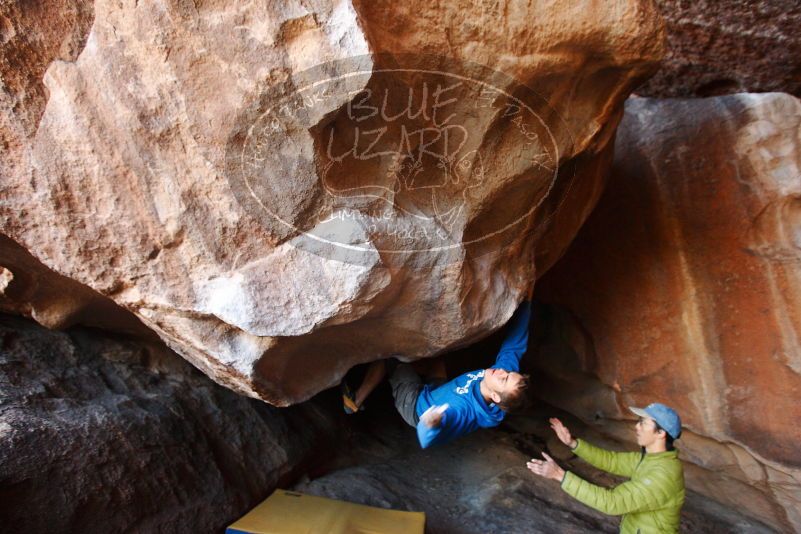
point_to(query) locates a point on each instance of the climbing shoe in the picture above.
(349, 400)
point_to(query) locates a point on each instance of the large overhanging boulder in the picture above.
(281, 193)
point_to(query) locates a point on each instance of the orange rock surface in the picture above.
(685, 285)
(231, 176)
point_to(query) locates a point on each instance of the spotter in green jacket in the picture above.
(651, 500)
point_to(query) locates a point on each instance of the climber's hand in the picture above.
(432, 417)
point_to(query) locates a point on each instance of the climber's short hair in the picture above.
(512, 400)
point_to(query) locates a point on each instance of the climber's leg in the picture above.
(406, 386)
(375, 374)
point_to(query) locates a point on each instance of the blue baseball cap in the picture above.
(665, 417)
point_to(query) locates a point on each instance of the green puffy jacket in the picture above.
(650, 502)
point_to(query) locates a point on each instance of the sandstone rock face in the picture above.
(27, 287)
(33, 35)
(99, 434)
(281, 191)
(720, 47)
(685, 284)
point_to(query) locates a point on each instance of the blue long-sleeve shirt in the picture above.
(467, 409)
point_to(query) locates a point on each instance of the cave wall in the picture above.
(684, 287)
(108, 433)
(717, 47)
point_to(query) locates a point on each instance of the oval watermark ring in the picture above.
(370, 156)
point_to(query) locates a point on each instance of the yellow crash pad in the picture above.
(289, 512)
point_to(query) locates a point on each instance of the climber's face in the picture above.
(501, 383)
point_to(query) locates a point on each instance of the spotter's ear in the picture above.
(495, 396)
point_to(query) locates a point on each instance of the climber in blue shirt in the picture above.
(441, 411)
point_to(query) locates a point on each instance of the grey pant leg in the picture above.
(406, 386)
